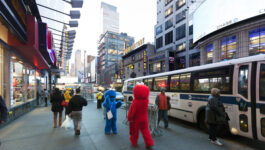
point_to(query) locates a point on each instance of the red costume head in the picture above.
(141, 92)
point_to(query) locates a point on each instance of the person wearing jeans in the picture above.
(57, 108)
(162, 101)
(75, 109)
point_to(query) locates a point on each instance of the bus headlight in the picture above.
(234, 131)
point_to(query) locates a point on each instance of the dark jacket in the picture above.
(215, 111)
(56, 100)
(76, 104)
(3, 110)
(168, 102)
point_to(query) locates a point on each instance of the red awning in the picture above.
(31, 50)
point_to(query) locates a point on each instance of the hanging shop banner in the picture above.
(134, 46)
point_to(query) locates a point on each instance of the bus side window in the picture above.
(149, 83)
(262, 83)
(160, 82)
(243, 81)
(130, 85)
(185, 82)
(174, 83)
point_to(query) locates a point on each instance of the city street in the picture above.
(34, 131)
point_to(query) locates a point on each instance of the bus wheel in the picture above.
(202, 122)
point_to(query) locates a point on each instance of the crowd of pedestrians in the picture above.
(137, 115)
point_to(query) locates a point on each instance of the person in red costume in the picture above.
(137, 116)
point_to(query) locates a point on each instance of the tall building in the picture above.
(174, 34)
(78, 63)
(109, 18)
(110, 51)
(72, 70)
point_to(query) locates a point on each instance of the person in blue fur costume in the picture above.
(111, 104)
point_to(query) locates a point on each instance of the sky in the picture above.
(137, 19)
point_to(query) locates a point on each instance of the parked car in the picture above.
(119, 96)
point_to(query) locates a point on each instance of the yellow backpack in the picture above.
(99, 96)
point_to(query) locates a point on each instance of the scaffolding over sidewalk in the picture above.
(152, 113)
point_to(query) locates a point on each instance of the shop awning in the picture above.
(30, 50)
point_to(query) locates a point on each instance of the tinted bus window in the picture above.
(148, 82)
(174, 83)
(219, 78)
(205, 85)
(160, 82)
(130, 85)
(262, 83)
(243, 81)
(185, 82)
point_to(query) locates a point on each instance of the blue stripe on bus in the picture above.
(128, 92)
(224, 99)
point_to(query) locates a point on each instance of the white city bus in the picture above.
(242, 85)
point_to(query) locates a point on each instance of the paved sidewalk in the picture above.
(34, 131)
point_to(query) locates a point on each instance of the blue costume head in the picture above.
(111, 94)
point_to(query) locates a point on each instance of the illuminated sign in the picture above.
(145, 60)
(213, 15)
(134, 46)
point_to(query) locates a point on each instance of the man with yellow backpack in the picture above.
(100, 98)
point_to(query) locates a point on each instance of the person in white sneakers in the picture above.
(215, 115)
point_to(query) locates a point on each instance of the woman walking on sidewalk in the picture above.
(75, 108)
(56, 100)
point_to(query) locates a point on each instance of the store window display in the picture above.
(24, 83)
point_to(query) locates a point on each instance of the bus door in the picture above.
(242, 117)
(260, 98)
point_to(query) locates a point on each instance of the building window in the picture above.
(169, 11)
(209, 53)
(180, 3)
(169, 24)
(195, 59)
(228, 48)
(190, 29)
(159, 42)
(159, 30)
(180, 16)
(257, 41)
(181, 47)
(191, 44)
(167, 2)
(180, 62)
(157, 67)
(181, 32)
(169, 38)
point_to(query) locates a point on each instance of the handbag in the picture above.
(109, 113)
(64, 104)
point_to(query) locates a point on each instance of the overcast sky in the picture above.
(137, 18)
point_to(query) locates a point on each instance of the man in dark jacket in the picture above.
(162, 101)
(75, 108)
(215, 114)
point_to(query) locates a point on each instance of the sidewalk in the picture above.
(34, 131)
